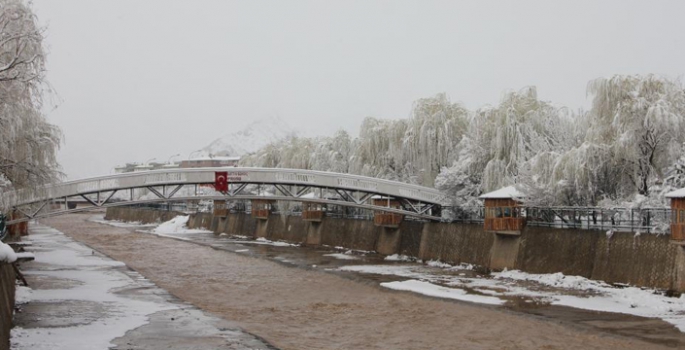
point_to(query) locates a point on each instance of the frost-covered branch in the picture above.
(28, 143)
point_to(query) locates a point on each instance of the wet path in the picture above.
(299, 298)
(79, 299)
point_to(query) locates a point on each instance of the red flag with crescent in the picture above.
(221, 181)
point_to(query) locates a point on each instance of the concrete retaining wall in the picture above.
(456, 243)
(644, 260)
(7, 287)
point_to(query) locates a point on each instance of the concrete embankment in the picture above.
(7, 287)
(646, 260)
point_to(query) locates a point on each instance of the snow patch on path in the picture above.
(116, 223)
(399, 257)
(626, 300)
(343, 256)
(98, 282)
(432, 290)
(7, 254)
(555, 289)
(177, 225)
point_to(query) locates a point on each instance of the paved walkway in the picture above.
(80, 299)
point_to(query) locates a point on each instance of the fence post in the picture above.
(589, 219)
(601, 219)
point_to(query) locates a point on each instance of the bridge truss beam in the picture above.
(245, 184)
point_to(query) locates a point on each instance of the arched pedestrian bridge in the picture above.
(256, 184)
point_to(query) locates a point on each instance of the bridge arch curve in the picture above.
(189, 184)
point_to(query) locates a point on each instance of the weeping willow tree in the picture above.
(411, 150)
(500, 139)
(630, 140)
(641, 118)
(378, 150)
(28, 143)
(634, 138)
(434, 131)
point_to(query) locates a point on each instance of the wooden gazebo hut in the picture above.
(261, 208)
(503, 213)
(677, 198)
(387, 219)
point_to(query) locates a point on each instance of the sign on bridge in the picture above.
(221, 181)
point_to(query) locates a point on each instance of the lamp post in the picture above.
(190, 156)
(175, 155)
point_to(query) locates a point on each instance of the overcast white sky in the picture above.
(142, 79)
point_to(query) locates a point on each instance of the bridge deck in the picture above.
(244, 183)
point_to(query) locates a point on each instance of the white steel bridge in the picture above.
(193, 184)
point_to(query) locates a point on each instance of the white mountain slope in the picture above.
(255, 136)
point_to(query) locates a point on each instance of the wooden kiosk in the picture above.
(677, 216)
(261, 208)
(386, 219)
(503, 213)
(313, 212)
(220, 208)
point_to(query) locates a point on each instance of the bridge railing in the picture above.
(647, 220)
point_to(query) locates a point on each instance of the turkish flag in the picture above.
(221, 181)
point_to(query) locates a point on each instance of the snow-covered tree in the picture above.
(641, 118)
(434, 131)
(501, 140)
(675, 174)
(626, 145)
(27, 141)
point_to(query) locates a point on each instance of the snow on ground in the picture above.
(399, 257)
(7, 254)
(175, 226)
(430, 289)
(343, 256)
(626, 300)
(263, 240)
(22, 295)
(124, 224)
(556, 289)
(98, 280)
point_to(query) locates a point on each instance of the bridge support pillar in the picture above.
(389, 241)
(680, 269)
(262, 228)
(314, 234)
(504, 251)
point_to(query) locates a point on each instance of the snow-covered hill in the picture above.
(255, 136)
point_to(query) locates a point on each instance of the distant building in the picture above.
(210, 162)
(135, 167)
(129, 167)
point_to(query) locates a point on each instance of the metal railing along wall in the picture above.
(647, 220)
(3, 227)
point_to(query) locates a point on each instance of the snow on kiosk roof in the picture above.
(676, 194)
(503, 193)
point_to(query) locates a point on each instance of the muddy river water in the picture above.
(327, 298)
